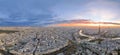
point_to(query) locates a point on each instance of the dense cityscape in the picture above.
(59, 41)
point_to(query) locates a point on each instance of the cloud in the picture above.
(42, 12)
(104, 10)
(25, 12)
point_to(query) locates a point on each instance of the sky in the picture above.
(44, 12)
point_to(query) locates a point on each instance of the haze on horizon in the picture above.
(46, 12)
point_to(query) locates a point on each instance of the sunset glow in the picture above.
(100, 24)
(85, 25)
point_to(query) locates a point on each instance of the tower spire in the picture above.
(99, 28)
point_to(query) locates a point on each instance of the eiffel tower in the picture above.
(99, 28)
